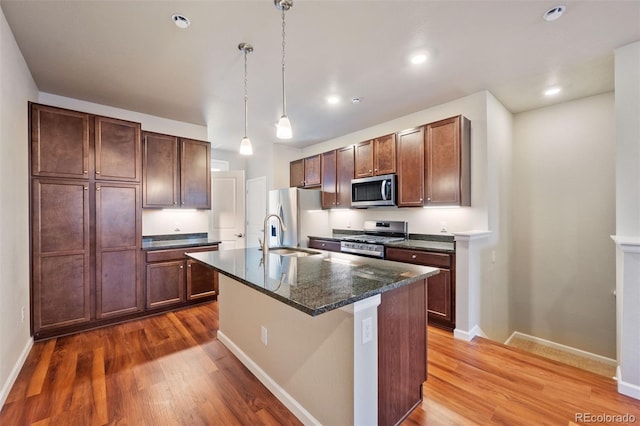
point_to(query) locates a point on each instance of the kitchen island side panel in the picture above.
(310, 358)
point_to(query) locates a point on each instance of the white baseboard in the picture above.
(8, 384)
(627, 388)
(569, 349)
(468, 336)
(283, 396)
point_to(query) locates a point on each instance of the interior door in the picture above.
(227, 209)
(256, 209)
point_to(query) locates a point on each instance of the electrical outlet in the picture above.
(443, 226)
(493, 256)
(263, 335)
(367, 330)
(22, 313)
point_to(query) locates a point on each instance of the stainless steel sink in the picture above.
(292, 251)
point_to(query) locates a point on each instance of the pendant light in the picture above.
(245, 144)
(284, 125)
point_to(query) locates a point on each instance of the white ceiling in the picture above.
(129, 54)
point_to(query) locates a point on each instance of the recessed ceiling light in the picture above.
(356, 100)
(554, 13)
(333, 99)
(552, 91)
(181, 21)
(418, 59)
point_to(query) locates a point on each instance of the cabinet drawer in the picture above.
(437, 260)
(175, 254)
(324, 244)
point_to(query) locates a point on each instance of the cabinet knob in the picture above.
(413, 256)
(181, 267)
(428, 198)
(174, 203)
(375, 170)
(188, 266)
(85, 171)
(97, 188)
(183, 202)
(338, 203)
(369, 170)
(97, 172)
(86, 188)
(420, 199)
(323, 244)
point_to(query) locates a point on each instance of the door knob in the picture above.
(239, 235)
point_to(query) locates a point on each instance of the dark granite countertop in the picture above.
(440, 243)
(424, 245)
(314, 284)
(162, 242)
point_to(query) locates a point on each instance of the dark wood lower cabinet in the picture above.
(441, 306)
(165, 284)
(172, 279)
(320, 244)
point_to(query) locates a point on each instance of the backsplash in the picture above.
(169, 222)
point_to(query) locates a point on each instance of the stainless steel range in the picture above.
(376, 234)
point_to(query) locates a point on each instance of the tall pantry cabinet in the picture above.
(85, 219)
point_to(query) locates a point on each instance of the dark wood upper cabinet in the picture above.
(384, 155)
(364, 159)
(305, 173)
(160, 186)
(117, 150)
(61, 285)
(376, 157)
(296, 173)
(344, 174)
(411, 168)
(195, 174)
(176, 172)
(59, 142)
(328, 186)
(119, 288)
(312, 168)
(448, 179)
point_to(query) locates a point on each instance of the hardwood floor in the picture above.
(171, 370)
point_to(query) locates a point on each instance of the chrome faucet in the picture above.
(265, 236)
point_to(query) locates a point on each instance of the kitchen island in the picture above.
(339, 339)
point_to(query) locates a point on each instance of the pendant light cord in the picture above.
(284, 102)
(246, 94)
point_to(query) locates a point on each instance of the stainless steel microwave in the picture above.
(373, 191)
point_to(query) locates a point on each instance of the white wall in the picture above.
(563, 212)
(627, 238)
(16, 89)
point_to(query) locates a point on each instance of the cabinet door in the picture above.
(411, 168)
(296, 173)
(202, 281)
(165, 283)
(59, 142)
(118, 240)
(117, 150)
(160, 187)
(384, 155)
(328, 179)
(195, 174)
(364, 159)
(312, 171)
(60, 247)
(439, 296)
(344, 173)
(447, 156)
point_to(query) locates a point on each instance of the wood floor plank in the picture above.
(170, 369)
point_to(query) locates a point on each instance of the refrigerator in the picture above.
(302, 214)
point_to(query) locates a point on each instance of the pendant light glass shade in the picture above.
(245, 144)
(245, 147)
(284, 128)
(284, 125)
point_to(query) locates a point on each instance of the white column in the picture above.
(468, 283)
(627, 238)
